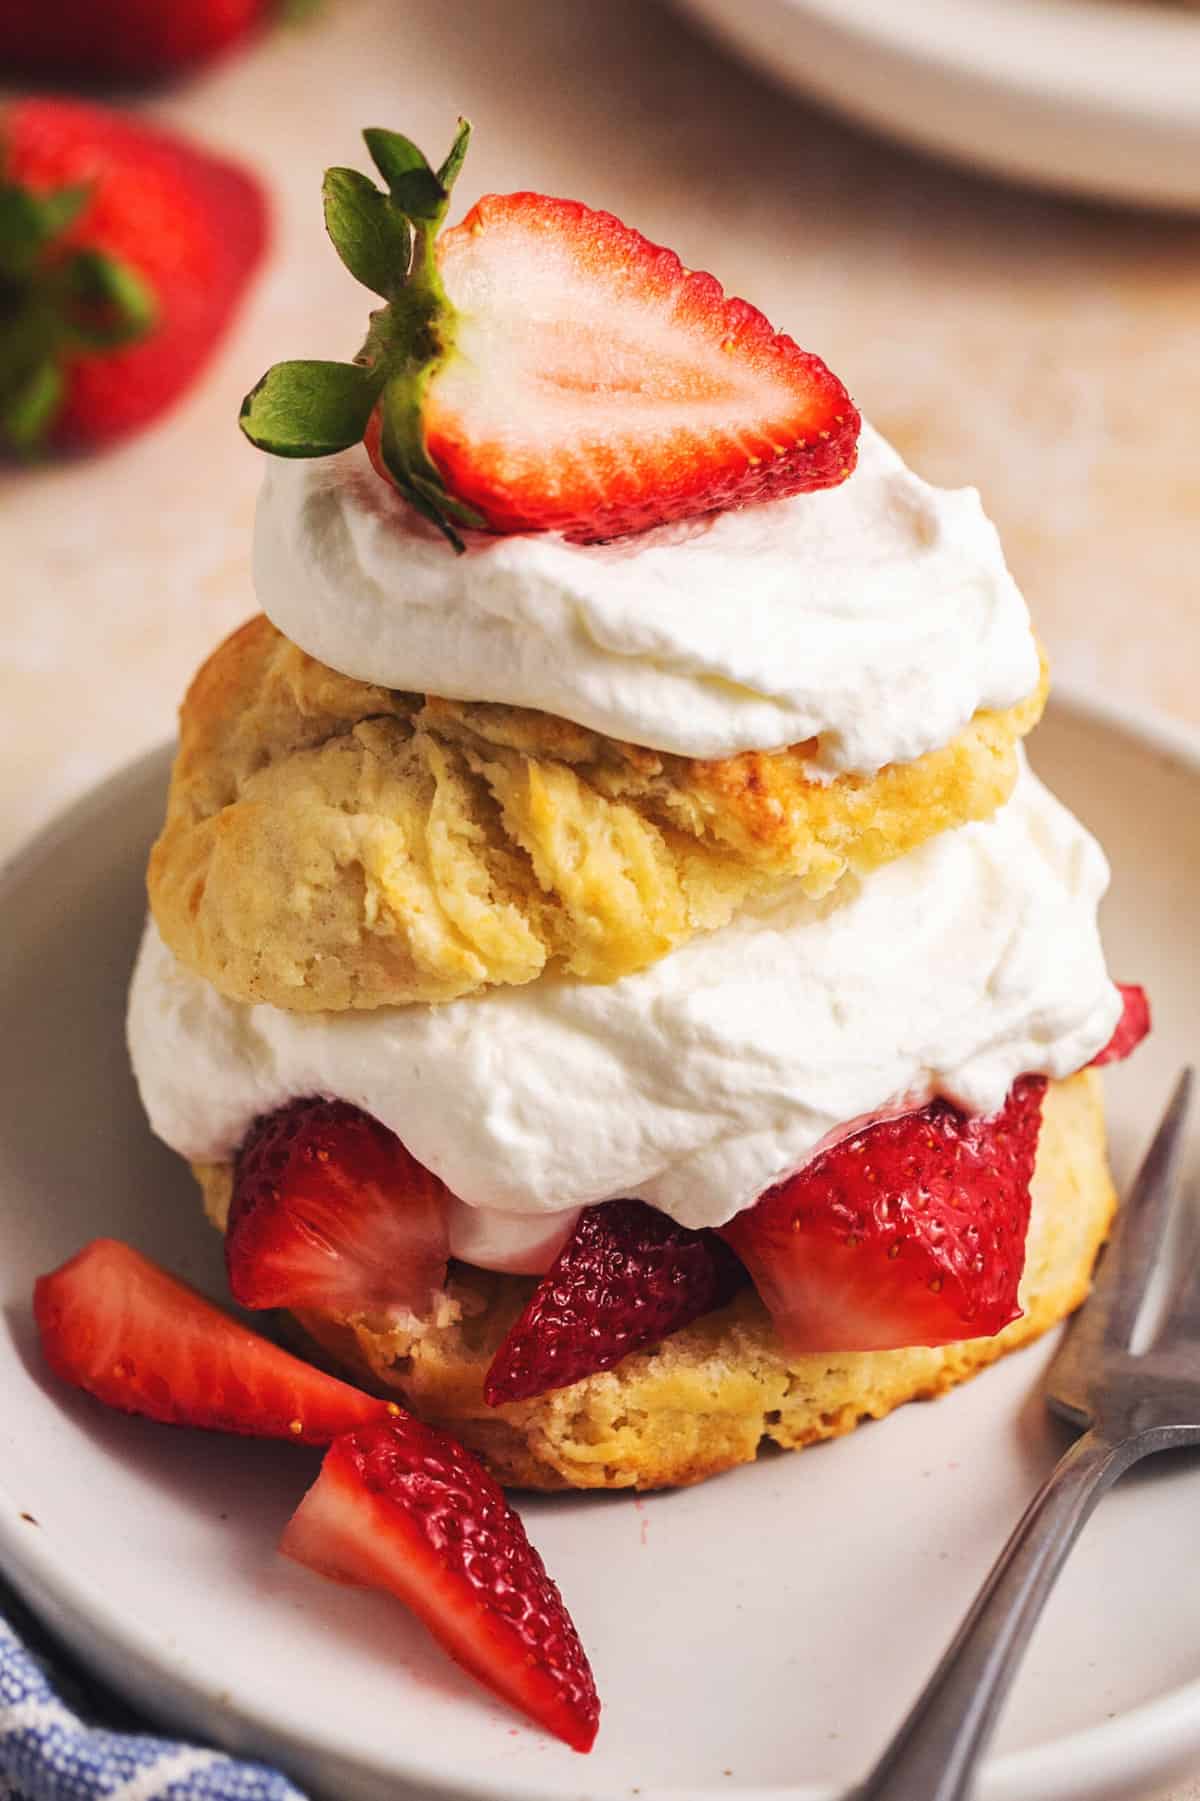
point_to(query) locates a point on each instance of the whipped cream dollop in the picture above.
(876, 617)
(698, 1082)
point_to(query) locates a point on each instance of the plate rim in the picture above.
(945, 33)
(171, 1691)
(1091, 73)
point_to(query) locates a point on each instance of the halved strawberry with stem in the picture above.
(114, 1323)
(331, 1212)
(1131, 1028)
(626, 1278)
(405, 1508)
(910, 1232)
(544, 367)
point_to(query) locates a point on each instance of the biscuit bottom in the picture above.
(709, 1396)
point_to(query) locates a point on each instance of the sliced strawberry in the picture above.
(911, 1232)
(329, 1211)
(626, 1278)
(1132, 1027)
(600, 387)
(115, 1324)
(405, 1508)
(544, 367)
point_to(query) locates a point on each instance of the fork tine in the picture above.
(1107, 1319)
(1130, 1258)
(1181, 1322)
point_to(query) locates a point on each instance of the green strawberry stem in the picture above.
(388, 243)
(57, 302)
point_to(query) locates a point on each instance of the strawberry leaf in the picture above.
(309, 409)
(61, 209)
(20, 222)
(106, 303)
(414, 187)
(28, 222)
(368, 230)
(388, 242)
(56, 301)
(28, 410)
(448, 173)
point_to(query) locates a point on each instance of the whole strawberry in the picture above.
(123, 40)
(543, 367)
(124, 251)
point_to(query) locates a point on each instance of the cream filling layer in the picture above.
(698, 1082)
(877, 617)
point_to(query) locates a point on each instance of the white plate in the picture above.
(1097, 96)
(760, 1633)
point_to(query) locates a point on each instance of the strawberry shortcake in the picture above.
(611, 968)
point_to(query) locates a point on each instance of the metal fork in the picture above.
(1127, 1406)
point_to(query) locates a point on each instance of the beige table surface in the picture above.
(1045, 351)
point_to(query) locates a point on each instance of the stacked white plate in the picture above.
(1099, 97)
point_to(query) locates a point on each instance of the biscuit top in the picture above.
(333, 844)
(875, 618)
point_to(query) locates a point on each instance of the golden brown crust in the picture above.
(708, 1397)
(330, 844)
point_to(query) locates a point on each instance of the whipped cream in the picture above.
(694, 1084)
(876, 617)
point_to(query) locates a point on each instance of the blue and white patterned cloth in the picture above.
(50, 1752)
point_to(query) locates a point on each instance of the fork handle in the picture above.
(934, 1755)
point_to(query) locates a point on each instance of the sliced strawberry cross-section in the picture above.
(114, 1323)
(543, 367)
(331, 1212)
(601, 388)
(405, 1508)
(626, 1278)
(910, 1232)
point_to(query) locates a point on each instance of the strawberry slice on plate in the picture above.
(910, 1232)
(626, 1278)
(114, 1323)
(1131, 1028)
(330, 1211)
(543, 367)
(402, 1507)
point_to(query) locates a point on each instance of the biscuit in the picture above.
(330, 844)
(712, 1394)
